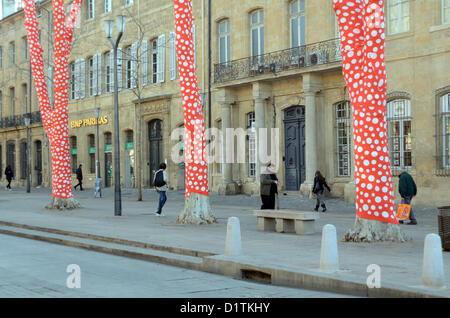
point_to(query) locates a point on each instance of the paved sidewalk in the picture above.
(401, 263)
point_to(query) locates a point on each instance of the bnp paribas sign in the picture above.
(89, 122)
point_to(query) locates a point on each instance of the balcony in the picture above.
(19, 120)
(320, 53)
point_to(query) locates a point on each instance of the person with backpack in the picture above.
(160, 181)
(407, 189)
(319, 186)
(9, 175)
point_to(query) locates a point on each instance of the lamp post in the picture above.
(27, 120)
(109, 26)
(97, 163)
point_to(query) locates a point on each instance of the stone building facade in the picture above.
(275, 64)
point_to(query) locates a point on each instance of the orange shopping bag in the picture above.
(403, 211)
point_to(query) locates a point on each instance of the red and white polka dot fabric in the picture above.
(362, 33)
(194, 141)
(56, 120)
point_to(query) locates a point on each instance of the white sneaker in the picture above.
(157, 214)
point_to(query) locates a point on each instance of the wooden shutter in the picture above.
(173, 57)
(161, 58)
(134, 65)
(99, 74)
(119, 69)
(144, 53)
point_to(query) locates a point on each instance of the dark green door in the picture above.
(155, 147)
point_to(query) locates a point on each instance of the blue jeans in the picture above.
(407, 200)
(162, 201)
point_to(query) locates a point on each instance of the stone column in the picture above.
(311, 86)
(227, 186)
(261, 92)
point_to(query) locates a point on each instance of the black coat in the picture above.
(321, 184)
(9, 173)
(79, 174)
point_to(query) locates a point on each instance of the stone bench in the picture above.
(286, 221)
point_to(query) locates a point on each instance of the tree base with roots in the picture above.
(197, 211)
(63, 204)
(365, 230)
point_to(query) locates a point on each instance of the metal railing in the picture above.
(19, 120)
(290, 59)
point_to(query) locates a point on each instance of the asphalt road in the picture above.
(34, 269)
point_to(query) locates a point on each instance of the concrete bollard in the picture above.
(433, 265)
(233, 244)
(329, 260)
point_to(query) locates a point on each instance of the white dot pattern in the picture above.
(362, 33)
(194, 141)
(56, 120)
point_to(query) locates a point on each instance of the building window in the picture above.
(1, 107)
(224, 41)
(445, 11)
(343, 138)
(443, 133)
(73, 153)
(25, 48)
(154, 61)
(72, 80)
(11, 156)
(23, 160)
(128, 2)
(91, 9)
(251, 144)
(257, 35)
(25, 99)
(12, 52)
(398, 13)
(12, 94)
(399, 133)
(91, 151)
(107, 6)
(91, 74)
(297, 19)
(129, 67)
(108, 72)
(1, 57)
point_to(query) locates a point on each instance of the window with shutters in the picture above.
(154, 61)
(162, 58)
(144, 53)
(128, 68)
(173, 56)
(224, 41)
(108, 72)
(399, 133)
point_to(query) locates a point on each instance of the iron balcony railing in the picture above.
(19, 120)
(294, 58)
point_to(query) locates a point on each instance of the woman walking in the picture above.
(9, 175)
(319, 186)
(269, 183)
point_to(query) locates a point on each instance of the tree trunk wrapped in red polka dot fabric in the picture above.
(362, 33)
(194, 141)
(55, 120)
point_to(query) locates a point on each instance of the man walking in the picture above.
(160, 181)
(407, 188)
(80, 178)
(9, 176)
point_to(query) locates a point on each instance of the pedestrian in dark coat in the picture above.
(80, 178)
(407, 189)
(9, 176)
(319, 186)
(268, 188)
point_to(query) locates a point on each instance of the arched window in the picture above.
(399, 133)
(444, 131)
(224, 41)
(297, 22)
(343, 138)
(251, 144)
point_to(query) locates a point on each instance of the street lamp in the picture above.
(109, 26)
(27, 121)
(98, 185)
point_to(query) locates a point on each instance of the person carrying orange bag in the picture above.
(408, 189)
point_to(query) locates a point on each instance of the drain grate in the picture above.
(257, 276)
